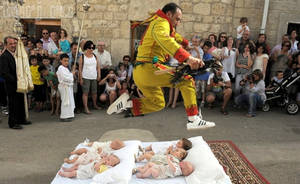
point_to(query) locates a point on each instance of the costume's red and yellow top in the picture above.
(161, 40)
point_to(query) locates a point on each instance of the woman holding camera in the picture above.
(243, 65)
(254, 95)
(112, 84)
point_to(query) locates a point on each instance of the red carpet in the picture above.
(235, 164)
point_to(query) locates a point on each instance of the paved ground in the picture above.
(271, 141)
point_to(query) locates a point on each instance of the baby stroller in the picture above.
(279, 94)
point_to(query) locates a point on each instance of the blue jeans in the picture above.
(251, 99)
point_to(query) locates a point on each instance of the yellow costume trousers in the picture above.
(150, 84)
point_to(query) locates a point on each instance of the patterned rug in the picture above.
(235, 164)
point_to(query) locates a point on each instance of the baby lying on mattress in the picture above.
(96, 151)
(162, 171)
(166, 164)
(181, 147)
(91, 169)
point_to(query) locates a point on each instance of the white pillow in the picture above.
(207, 169)
(121, 173)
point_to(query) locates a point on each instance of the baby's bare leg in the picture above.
(73, 168)
(151, 171)
(145, 167)
(146, 156)
(67, 174)
(151, 152)
(148, 148)
(67, 160)
(79, 151)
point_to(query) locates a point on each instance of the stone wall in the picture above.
(281, 12)
(109, 20)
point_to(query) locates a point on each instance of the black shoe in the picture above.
(26, 123)
(66, 120)
(128, 113)
(17, 127)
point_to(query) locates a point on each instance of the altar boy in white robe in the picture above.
(65, 87)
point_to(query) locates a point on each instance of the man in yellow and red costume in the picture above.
(160, 41)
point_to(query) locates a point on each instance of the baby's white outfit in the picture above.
(162, 159)
(166, 172)
(87, 157)
(104, 145)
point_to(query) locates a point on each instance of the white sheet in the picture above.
(200, 152)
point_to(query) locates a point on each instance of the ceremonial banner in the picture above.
(24, 80)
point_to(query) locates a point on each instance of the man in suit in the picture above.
(16, 116)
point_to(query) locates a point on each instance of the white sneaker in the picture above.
(119, 105)
(199, 124)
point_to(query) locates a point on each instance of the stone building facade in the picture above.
(110, 20)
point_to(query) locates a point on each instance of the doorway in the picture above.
(33, 27)
(292, 27)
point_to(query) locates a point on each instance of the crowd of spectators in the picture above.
(97, 83)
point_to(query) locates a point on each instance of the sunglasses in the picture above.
(223, 36)
(92, 48)
(45, 33)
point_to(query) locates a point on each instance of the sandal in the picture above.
(250, 115)
(87, 112)
(224, 111)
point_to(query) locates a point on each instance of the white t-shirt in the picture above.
(294, 47)
(259, 62)
(89, 70)
(238, 29)
(229, 63)
(194, 53)
(104, 58)
(224, 76)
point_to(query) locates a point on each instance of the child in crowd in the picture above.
(162, 171)
(39, 92)
(47, 64)
(275, 80)
(135, 92)
(122, 73)
(76, 89)
(91, 169)
(112, 84)
(65, 87)
(242, 27)
(279, 76)
(124, 88)
(52, 82)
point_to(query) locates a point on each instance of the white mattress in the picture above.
(211, 170)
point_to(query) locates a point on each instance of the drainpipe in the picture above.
(265, 16)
